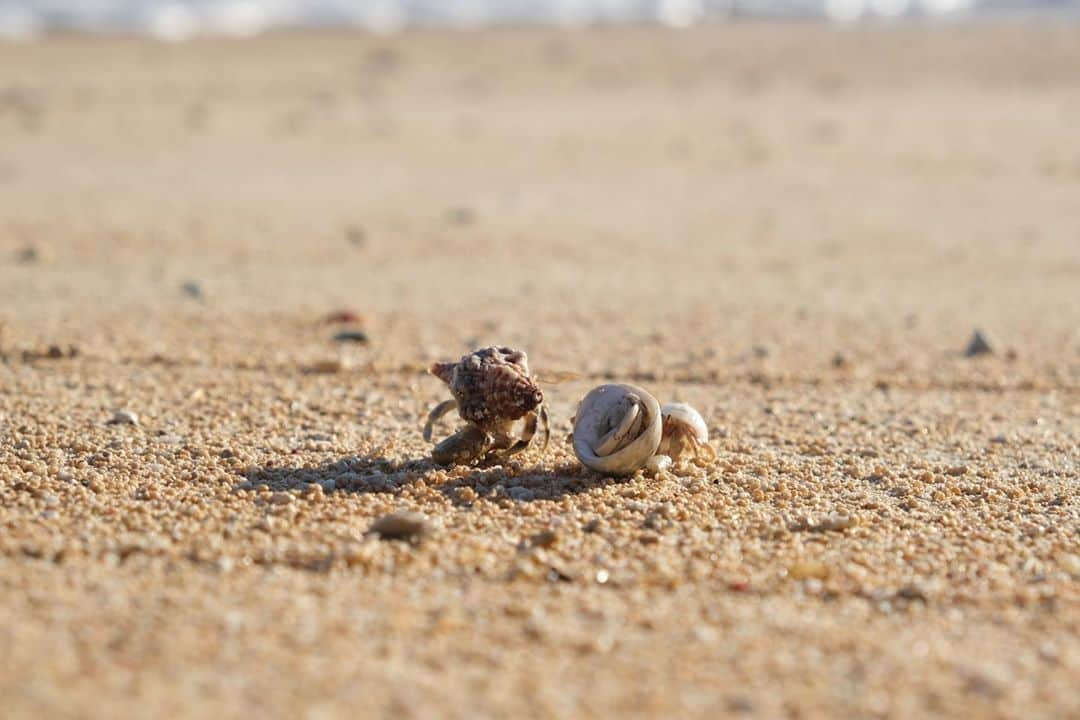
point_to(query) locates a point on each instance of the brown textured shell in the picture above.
(491, 385)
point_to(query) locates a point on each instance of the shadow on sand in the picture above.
(366, 474)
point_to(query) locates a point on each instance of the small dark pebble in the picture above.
(356, 236)
(461, 216)
(406, 526)
(978, 345)
(912, 592)
(757, 378)
(739, 704)
(982, 685)
(543, 539)
(193, 290)
(352, 336)
(28, 255)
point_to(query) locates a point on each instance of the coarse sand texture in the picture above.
(226, 267)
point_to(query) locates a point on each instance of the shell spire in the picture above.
(443, 370)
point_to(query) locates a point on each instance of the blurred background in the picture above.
(608, 183)
(177, 19)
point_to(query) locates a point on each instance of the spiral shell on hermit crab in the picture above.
(620, 429)
(617, 429)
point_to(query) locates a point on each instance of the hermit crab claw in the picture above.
(617, 429)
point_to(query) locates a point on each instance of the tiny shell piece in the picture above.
(658, 464)
(124, 417)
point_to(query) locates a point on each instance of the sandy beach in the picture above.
(794, 228)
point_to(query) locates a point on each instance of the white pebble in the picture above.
(658, 464)
(836, 521)
(124, 417)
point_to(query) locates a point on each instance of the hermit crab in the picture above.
(492, 390)
(619, 429)
(685, 433)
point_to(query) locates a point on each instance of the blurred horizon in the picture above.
(177, 20)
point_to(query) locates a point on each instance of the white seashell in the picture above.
(688, 419)
(684, 428)
(617, 429)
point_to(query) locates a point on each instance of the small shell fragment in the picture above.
(658, 464)
(124, 417)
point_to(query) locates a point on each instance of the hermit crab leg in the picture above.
(703, 447)
(527, 434)
(434, 416)
(682, 441)
(545, 423)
